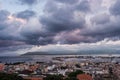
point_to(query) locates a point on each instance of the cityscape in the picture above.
(59, 39)
(62, 67)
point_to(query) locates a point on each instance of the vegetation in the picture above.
(5, 76)
(71, 76)
(74, 74)
(53, 77)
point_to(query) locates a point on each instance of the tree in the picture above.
(28, 72)
(53, 77)
(72, 78)
(74, 74)
(5, 76)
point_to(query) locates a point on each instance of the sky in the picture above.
(58, 25)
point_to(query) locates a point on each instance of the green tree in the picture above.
(5, 76)
(53, 77)
(74, 74)
(72, 78)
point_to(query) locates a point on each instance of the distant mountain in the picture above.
(46, 53)
(81, 52)
(35, 53)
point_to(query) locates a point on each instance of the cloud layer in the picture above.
(61, 21)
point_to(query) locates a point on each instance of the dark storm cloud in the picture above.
(35, 37)
(7, 40)
(14, 48)
(60, 19)
(107, 29)
(45, 40)
(25, 14)
(28, 2)
(38, 40)
(61, 23)
(104, 26)
(6, 43)
(115, 8)
(58, 22)
(7, 28)
(31, 37)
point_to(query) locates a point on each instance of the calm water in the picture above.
(47, 58)
(14, 59)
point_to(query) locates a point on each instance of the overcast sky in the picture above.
(62, 25)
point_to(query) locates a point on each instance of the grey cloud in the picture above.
(45, 40)
(73, 37)
(100, 19)
(37, 39)
(3, 25)
(68, 1)
(83, 6)
(7, 29)
(115, 8)
(10, 27)
(36, 36)
(57, 25)
(50, 7)
(6, 43)
(28, 2)
(59, 16)
(27, 14)
(31, 37)
(14, 48)
(4, 15)
(60, 19)
(101, 31)
(3, 19)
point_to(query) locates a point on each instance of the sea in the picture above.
(48, 58)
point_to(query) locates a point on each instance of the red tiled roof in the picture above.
(1, 67)
(84, 77)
